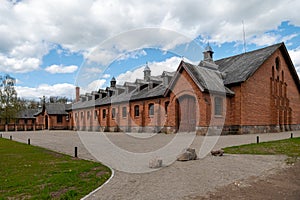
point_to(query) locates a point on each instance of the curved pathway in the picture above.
(181, 180)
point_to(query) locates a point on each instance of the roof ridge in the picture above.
(253, 51)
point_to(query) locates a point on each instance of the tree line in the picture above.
(11, 105)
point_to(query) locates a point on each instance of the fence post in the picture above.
(257, 139)
(10, 137)
(291, 135)
(28, 141)
(75, 152)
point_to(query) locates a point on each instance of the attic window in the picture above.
(277, 63)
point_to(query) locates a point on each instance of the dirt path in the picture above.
(285, 184)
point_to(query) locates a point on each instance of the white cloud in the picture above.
(133, 55)
(265, 39)
(18, 65)
(106, 76)
(157, 68)
(95, 85)
(295, 56)
(62, 89)
(81, 25)
(60, 69)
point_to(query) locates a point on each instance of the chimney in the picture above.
(77, 93)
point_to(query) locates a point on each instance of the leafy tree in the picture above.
(58, 99)
(9, 103)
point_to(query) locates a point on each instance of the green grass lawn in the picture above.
(30, 172)
(289, 147)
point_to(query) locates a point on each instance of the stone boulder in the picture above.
(188, 154)
(217, 152)
(155, 163)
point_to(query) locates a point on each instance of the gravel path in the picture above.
(180, 180)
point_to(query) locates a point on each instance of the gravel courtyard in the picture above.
(180, 180)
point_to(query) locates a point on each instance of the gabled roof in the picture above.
(240, 67)
(54, 109)
(165, 73)
(27, 114)
(209, 76)
(205, 78)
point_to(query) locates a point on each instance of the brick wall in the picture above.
(262, 97)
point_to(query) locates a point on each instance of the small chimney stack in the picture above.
(77, 94)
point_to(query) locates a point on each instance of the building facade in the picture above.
(257, 91)
(254, 92)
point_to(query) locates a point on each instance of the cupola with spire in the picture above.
(208, 53)
(113, 82)
(147, 73)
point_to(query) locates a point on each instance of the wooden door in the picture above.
(187, 114)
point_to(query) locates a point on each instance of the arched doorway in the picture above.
(186, 113)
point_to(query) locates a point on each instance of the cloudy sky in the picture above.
(50, 46)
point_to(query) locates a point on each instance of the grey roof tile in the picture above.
(239, 68)
(56, 109)
(27, 114)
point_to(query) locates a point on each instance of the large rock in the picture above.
(217, 152)
(155, 163)
(188, 154)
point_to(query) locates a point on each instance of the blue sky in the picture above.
(52, 46)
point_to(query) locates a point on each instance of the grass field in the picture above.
(289, 147)
(30, 172)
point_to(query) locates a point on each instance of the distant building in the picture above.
(257, 91)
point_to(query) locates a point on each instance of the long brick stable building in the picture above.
(257, 91)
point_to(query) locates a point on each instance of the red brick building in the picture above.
(257, 91)
(254, 92)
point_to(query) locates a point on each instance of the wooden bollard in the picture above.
(28, 141)
(257, 139)
(291, 135)
(75, 152)
(10, 137)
